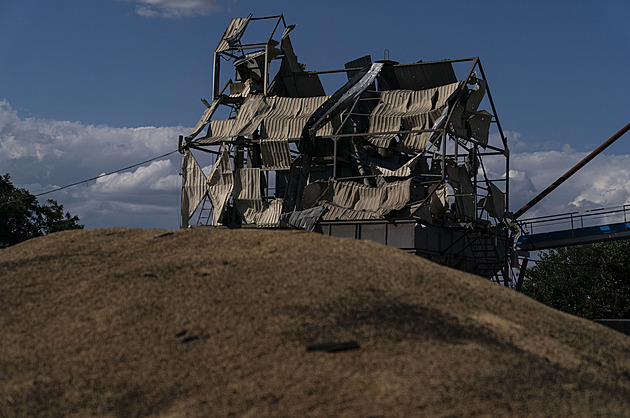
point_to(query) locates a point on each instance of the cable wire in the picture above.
(94, 178)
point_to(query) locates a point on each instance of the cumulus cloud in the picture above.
(603, 183)
(43, 154)
(177, 8)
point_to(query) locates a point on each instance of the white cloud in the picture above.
(42, 154)
(177, 8)
(604, 182)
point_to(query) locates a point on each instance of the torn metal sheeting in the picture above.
(304, 219)
(494, 203)
(424, 75)
(336, 213)
(465, 201)
(194, 186)
(270, 215)
(394, 143)
(220, 185)
(233, 33)
(205, 118)
(276, 154)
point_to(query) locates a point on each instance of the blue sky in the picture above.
(91, 86)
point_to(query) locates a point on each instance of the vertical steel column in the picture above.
(215, 74)
(266, 74)
(503, 139)
(335, 157)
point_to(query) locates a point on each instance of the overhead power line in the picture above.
(98, 177)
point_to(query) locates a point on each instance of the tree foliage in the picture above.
(22, 217)
(591, 281)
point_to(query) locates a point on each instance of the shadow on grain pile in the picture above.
(216, 322)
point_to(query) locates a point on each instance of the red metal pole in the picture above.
(572, 171)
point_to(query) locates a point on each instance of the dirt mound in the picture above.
(216, 322)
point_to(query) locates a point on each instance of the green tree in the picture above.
(23, 217)
(591, 281)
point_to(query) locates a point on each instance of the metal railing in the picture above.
(575, 220)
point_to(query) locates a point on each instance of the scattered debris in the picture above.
(164, 234)
(186, 340)
(155, 276)
(189, 338)
(333, 347)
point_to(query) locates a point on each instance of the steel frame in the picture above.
(451, 147)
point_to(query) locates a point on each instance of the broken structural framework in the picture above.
(395, 155)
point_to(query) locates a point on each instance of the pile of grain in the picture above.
(216, 322)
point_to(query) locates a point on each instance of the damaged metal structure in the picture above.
(392, 153)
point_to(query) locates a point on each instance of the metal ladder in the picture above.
(485, 256)
(205, 214)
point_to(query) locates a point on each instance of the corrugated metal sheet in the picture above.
(408, 110)
(305, 219)
(194, 186)
(275, 153)
(309, 106)
(335, 213)
(220, 185)
(283, 119)
(247, 194)
(458, 122)
(344, 193)
(387, 116)
(398, 194)
(218, 130)
(270, 216)
(288, 115)
(249, 210)
(424, 75)
(247, 184)
(443, 93)
(416, 142)
(250, 114)
(232, 28)
(378, 201)
(370, 198)
(205, 118)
